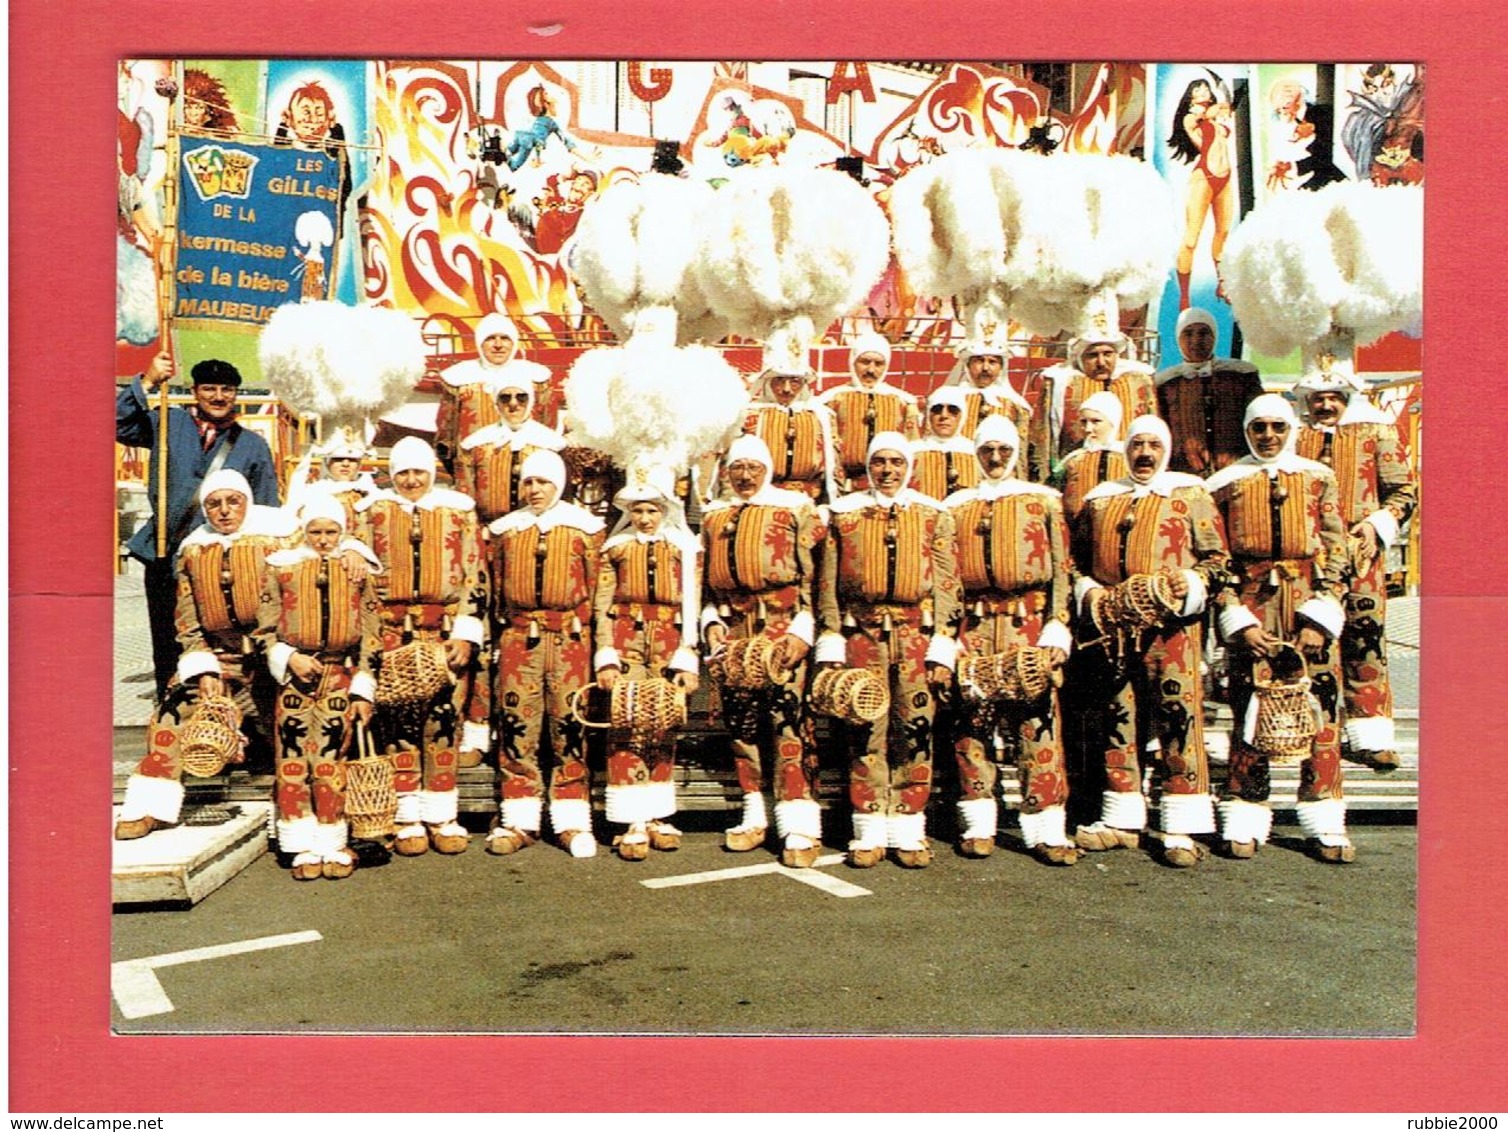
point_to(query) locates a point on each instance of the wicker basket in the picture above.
(647, 709)
(371, 800)
(211, 737)
(412, 674)
(750, 662)
(1142, 601)
(1285, 724)
(1019, 674)
(854, 695)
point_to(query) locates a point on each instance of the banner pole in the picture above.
(166, 264)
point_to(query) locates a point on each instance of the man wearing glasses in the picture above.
(204, 438)
(944, 457)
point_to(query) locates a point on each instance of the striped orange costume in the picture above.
(758, 571)
(431, 588)
(802, 442)
(1288, 551)
(1374, 485)
(887, 598)
(1126, 527)
(544, 571)
(1013, 566)
(219, 596)
(311, 606)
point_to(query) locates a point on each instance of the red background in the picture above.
(62, 87)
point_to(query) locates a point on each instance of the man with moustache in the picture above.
(1153, 521)
(757, 554)
(888, 601)
(1013, 565)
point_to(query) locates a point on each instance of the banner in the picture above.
(256, 228)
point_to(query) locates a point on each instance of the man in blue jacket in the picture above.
(202, 438)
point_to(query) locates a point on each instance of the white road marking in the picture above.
(832, 885)
(139, 994)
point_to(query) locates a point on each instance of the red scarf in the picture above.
(209, 431)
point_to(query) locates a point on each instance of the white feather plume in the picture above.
(647, 404)
(633, 251)
(1002, 230)
(1346, 261)
(788, 248)
(346, 364)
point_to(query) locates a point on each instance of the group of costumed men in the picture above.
(852, 529)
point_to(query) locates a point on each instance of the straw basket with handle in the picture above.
(1284, 723)
(211, 737)
(853, 695)
(648, 709)
(749, 662)
(413, 674)
(1019, 674)
(371, 799)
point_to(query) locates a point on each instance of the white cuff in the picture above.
(754, 815)
(630, 803)
(1124, 809)
(436, 807)
(1325, 818)
(1048, 827)
(468, 628)
(147, 797)
(199, 662)
(684, 659)
(803, 627)
(710, 617)
(978, 818)
(278, 656)
(1325, 612)
(475, 736)
(606, 657)
(1193, 602)
(1371, 733)
(906, 831)
(1055, 635)
(330, 837)
(1082, 588)
(1385, 525)
(942, 650)
(409, 808)
(1187, 813)
(663, 799)
(1236, 619)
(1241, 820)
(869, 831)
(521, 813)
(364, 687)
(801, 816)
(831, 649)
(300, 835)
(572, 814)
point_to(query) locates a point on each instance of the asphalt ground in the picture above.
(540, 942)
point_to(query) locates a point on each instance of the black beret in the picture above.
(212, 371)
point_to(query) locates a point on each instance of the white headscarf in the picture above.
(322, 507)
(1194, 315)
(892, 442)
(411, 454)
(226, 479)
(1108, 405)
(999, 430)
(1272, 406)
(870, 343)
(490, 326)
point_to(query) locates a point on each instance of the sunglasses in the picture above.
(513, 398)
(1276, 427)
(943, 409)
